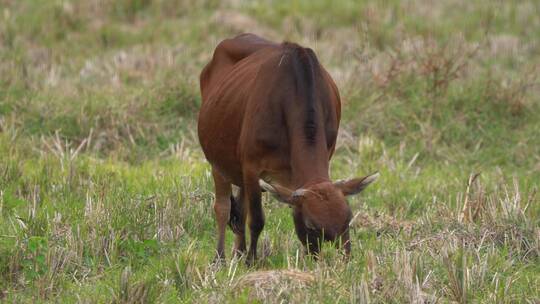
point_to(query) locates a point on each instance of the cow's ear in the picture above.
(283, 194)
(356, 185)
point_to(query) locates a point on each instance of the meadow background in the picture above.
(105, 196)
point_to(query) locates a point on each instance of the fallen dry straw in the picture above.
(274, 285)
(270, 278)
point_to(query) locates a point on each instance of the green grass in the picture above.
(105, 195)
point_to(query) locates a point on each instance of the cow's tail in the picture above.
(235, 218)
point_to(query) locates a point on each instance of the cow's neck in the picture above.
(309, 162)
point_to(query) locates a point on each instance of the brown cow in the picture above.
(271, 112)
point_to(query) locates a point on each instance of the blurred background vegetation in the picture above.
(105, 195)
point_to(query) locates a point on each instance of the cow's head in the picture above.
(320, 211)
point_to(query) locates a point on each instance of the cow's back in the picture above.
(226, 55)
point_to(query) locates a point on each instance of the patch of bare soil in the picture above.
(381, 223)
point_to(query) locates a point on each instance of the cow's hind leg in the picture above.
(237, 222)
(222, 209)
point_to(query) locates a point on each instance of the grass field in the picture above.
(105, 196)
